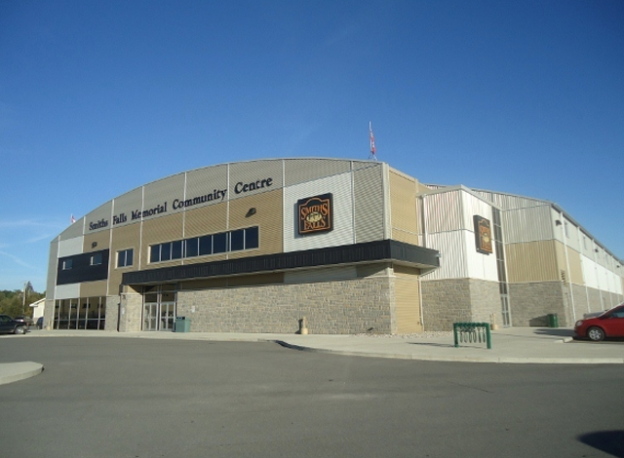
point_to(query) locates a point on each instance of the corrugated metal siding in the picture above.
(158, 230)
(268, 217)
(124, 205)
(124, 238)
(471, 206)
(407, 304)
(342, 234)
(303, 170)
(576, 270)
(527, 225)
(52, 266)
(444, 212)
(453, 260)
(369, 204)
(508, 202)
(321, 275)
(205, 220)
(589, 272)
(480, 266)
(73, 231)
(531, 262)
(69, 247)
(101, 239)
(204, 182)
(403, 208)
(67, 291)
(251, 172)
(163, 191)
(102, 213)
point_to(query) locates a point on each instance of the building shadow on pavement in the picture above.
(611, 442)
(559, 332)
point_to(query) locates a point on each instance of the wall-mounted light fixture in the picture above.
(94, 244)
(251, 212)
(596, 250)
(557, 222)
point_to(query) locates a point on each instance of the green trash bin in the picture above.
(182, 324)
(553, 320)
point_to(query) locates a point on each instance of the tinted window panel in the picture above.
(237, 240)
(155, 253)
(220, 243)
(251, 238)
(205, 245)
(192, 247)
(165, 252)
(176, 249)
(129, 258)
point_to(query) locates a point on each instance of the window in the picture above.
(124, 258)
(238, 240)
(68, 264)
(96, 259)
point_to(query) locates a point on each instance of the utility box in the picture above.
(182, 324)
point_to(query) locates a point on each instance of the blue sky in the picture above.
(99, 97)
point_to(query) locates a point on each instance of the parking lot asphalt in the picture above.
(509, 345)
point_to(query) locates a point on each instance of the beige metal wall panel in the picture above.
(52, 266)
(403, 208)
(576, 269)
(209, 184)
(74, 230)
(96, 241)
(159, 230)
(298, 171)
(321, 275)
(67, 291)
(159, 196)
(70, 247)
(443, 212)
(368, 189)
(93, 288)
(206, 220)
(527, 225)
(453, 256)
(268, 217)
(124, 238)
(256, 177)
(99, 219)
(532, 262)
(407, 302)
(342, 234)
(127, 208)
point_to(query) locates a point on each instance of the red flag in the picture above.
(373, 150)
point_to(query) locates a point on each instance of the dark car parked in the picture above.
(10, 326)
(608, 324)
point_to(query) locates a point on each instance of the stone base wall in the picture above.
(131, 311)
(532, 302)
(445, 302)
(332, 307)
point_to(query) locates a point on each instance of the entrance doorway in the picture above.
(159, 308)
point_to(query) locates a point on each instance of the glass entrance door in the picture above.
(159, 308)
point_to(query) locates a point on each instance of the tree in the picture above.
(13, 302)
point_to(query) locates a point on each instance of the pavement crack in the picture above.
(469, 386)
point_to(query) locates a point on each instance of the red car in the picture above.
(607, 324)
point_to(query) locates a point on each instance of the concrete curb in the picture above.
(13, 372)
(459, 358)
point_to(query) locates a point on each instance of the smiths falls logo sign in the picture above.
(483, 234)
(315, 214)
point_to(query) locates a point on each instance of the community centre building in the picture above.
(330, 245)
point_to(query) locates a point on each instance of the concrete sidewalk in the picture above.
(510, 345)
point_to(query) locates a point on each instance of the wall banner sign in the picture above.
(483, 234)
(315, 214)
